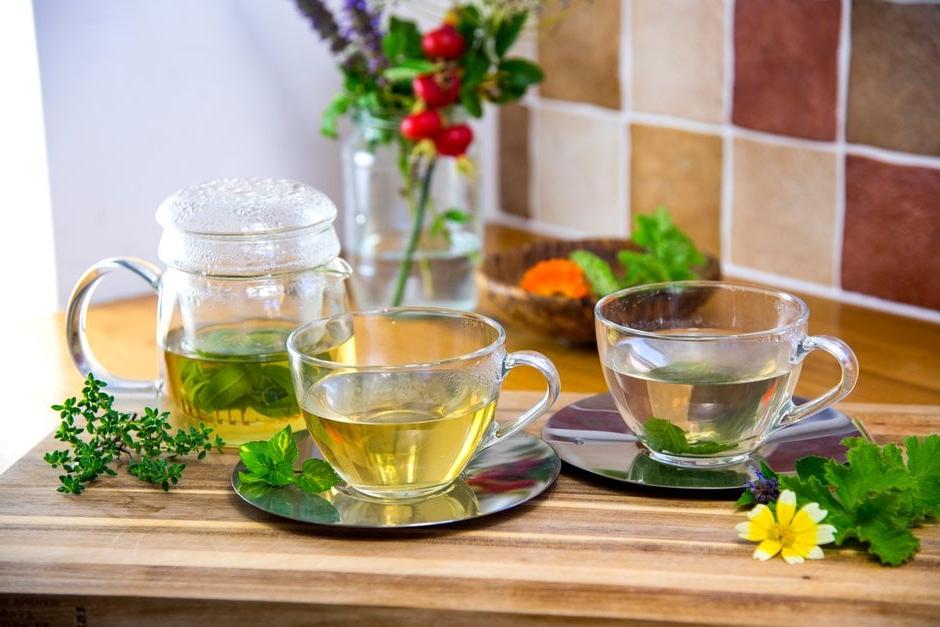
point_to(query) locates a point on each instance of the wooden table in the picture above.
(587, 552)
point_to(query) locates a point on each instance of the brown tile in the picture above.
(783, 212)
(678, 58)
(894, 82)
(579, 49)
(514, 160)
(892, 230)
(681, 171)
(577, 170)
(785, 68)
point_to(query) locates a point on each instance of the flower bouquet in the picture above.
(412, 229)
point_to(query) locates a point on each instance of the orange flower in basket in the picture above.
(555, 277)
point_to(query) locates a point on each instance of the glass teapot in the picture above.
(248, 260)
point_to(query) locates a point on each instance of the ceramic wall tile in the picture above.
(678, 58)
(579, 49)
(514, 160)
(578, 168)
(894, 83)
(783, 217)
(682, 171)
(786, 66)
(892, 230)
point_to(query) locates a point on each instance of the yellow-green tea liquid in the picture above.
(238, 382)
(393, 439)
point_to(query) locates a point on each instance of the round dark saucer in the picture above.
(499, 478)
(591, 435)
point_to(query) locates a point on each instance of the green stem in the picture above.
(404, 269)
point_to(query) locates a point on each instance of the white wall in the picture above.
(144, 97)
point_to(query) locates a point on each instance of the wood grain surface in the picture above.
(587, 552)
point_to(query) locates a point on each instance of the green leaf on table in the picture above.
(282, 447)
(318, 476)
(923, 462)
(874, 498)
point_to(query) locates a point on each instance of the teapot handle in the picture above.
(77, 313)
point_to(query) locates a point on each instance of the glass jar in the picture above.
(384, 213)
(248, 260)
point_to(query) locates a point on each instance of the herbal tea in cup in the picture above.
(704, 371)
(399, 400)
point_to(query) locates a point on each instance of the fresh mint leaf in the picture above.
(255, 457)
(598, 272)
(272, 463)
(663, 436)
(282, 447)
(318, 476)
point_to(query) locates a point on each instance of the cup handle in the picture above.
(847, 361)
(544, 365)
(76, 317)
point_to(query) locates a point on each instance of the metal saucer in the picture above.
(591, 435)
(499, 478)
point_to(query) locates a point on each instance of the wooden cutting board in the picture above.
(587, 552)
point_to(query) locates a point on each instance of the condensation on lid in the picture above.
(247, 227)
(245, 206)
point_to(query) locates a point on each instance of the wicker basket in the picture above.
(567, 319)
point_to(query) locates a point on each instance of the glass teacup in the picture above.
(703, 372)
(399, 400)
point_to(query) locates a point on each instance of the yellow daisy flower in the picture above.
(794, 534)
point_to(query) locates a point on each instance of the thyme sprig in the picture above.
(145, 442)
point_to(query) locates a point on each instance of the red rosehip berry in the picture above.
(443, 43)
(452, 141)
(437, 90)
(423, 125)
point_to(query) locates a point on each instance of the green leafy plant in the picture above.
(272, 462)
(876, 497)
(145, 441)
(668, 255)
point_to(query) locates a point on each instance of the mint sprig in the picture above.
(272, 462)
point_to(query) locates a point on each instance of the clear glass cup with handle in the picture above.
(399, 400)
(704, 371)
(247, 260)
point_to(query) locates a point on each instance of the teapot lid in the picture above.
(247, 227)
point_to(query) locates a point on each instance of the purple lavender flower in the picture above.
(325, 24)
(765, 490)
(364, 26)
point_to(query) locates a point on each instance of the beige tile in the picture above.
(579, 49)
(578, 169)
(681, 171)
(784, 210)
(678, 58)
(514, 160)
